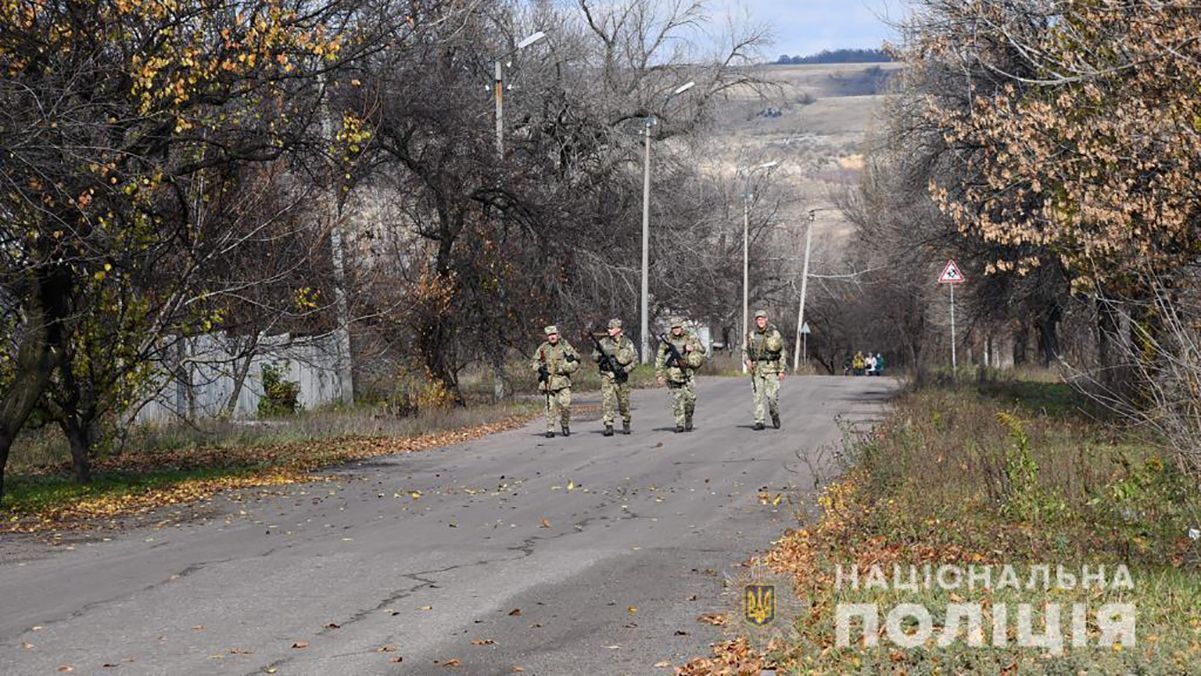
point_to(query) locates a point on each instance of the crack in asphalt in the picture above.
(88, 607)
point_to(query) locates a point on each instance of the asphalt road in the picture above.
(559, 556)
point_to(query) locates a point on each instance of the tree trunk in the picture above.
(1048, 335)
(79, 438)
(1021, 336)
(240, 372)
(45, 309)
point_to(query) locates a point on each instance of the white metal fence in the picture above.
(202, 379)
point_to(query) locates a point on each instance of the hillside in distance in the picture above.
(811, 118)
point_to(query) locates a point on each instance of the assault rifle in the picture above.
(674, 358)
(608, 362)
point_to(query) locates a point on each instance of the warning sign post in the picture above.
(952, 276)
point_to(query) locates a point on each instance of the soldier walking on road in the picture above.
(680, 355)
(554, 362)
(616, 357)
(764, 349)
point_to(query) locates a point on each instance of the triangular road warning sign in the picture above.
(951, 274)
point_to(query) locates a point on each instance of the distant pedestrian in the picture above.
(555, 361)
(764, 359)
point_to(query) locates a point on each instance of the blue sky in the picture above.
(802, 27)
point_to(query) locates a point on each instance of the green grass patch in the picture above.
(178, 463)
(37, 494)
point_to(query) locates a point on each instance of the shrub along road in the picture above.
(579, 555)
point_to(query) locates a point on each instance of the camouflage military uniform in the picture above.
(615, 387)
(679, 377)
(560, 360)
(764, 350)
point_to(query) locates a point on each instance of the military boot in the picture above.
(625, 427)
(608, 430)
(550, 434)
(758, 426)
(566, 431)
(688, 424)
(775, 419)
(679, 428)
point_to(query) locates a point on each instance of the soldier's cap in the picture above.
(676, 321)
(551, 329)
(615, 323)
(760, 313)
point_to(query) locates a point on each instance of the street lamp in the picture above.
(644, 324)
(746, 228)
(499, 88)
(800, 314)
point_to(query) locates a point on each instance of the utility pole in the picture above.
(344, 360)
(800, 314)
(644, 286)
(747, 196)
(644, 290)
(498, 88)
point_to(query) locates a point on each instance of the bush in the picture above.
(280, 396)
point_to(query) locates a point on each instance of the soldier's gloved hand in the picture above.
(570, 358)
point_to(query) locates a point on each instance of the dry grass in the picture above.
(1016, 473)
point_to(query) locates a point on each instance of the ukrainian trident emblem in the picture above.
(760, 604)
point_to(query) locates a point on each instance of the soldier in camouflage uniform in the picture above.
(615, 386)
(764, 359)
(678, 377)
(555, 361)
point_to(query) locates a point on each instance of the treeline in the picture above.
(838, 56)
(249, 169)
(1051, 150)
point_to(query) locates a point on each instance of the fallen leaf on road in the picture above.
(681, 632)
(715, 619)
(240, 651)
(300, 645)
(663, 664)
(570, 485)
(108, 665)
(545, 523)
(415, 494)
(397, 660)
(66, 667)
(483, 641)
(515, 612)
(25, 645)
(632, 609)
(452, 662)
(199, 627)
(427, 607)
(333, 625)
(386, 649)
(517, 670)
(613, 647)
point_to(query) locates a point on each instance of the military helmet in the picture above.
(551, 329)
(760, 313)
(676, 321)
(615, 323)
